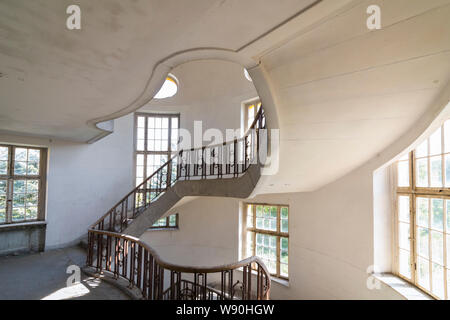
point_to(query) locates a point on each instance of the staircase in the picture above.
(230, 169)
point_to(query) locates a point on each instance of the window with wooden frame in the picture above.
(22, 184)
(267, 236)
(169, 222)
(156, 139)
(422, 233)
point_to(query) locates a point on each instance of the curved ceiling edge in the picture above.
(159, 74)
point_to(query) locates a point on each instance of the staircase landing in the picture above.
(43, 276)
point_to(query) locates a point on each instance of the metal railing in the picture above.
(227, 160)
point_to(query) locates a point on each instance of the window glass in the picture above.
(267, 236)
(423, 214)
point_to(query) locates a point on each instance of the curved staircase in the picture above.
(231, 169)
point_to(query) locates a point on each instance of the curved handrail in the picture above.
(180, 268)
(129, 258)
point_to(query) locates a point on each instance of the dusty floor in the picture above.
(43, 276)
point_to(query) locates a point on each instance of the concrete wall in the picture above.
(21, 238)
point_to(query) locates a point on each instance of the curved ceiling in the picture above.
(345, 93)
(54, 80)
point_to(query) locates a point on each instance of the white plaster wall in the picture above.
(207, 235)
(331, 238)
(84, 180)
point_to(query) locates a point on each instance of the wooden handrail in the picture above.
(179, 268)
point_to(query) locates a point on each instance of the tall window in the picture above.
(169, 222)
(423, 214)
(267, 236)
(156, 139)
(22, 181)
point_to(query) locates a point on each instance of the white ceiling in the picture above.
(55, 80)
(343, 93)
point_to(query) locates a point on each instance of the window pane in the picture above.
(31, 213)
(436, 171)
(437, 214)
(448, 251)
(3, 167)
(266, 250)
(174, 123)
(3, 160)
(20, 167)
(165, 123)
(403, 236)
(19, 186)
(403, 173)
(435, 142)
(284, 225)
(448, 215)
(250, 216)
(250, 245)
(18, 214)
(422, 172)
(405, 263)
(422, 242)
(284, 270)
(140, 145)
(141, 133)
(33, 168)
(173, 220)
(3, 188)
(21, 154)
(284, 213)
(447, 170)
(422, 149)
(151, 122)
(447, 136)
(4, 153)
(403, 208)
(422, 212)
(160, 223)
(141, 122)
(438, 281)
(31, 199)
(423, 272)
(259, 211)
(437, 247)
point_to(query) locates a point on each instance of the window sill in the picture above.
(163, 229)
(404, 288)
(280, 281)
(21, 225)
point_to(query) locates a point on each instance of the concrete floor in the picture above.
(43, 276)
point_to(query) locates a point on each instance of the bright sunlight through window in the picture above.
(168, 89)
